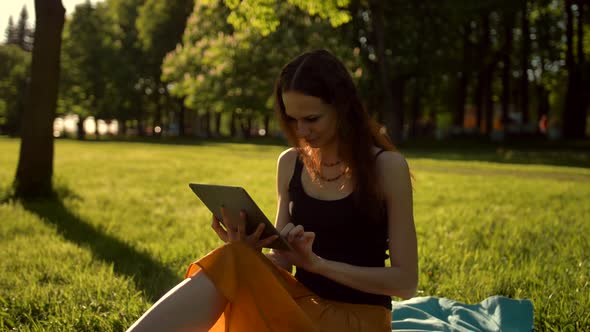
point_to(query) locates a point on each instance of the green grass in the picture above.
(125, 226)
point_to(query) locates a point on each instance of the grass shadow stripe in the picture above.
(149, 275)
(500, 172)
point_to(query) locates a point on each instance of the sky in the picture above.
(13, 7)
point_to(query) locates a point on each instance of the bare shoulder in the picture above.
(286, 166)
(391, 162)
(393, 174)
(290, 153)
(287, 158)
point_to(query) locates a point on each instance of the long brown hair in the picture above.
(320, 74)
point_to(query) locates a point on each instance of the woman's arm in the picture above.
(285, 168)
(401, 278)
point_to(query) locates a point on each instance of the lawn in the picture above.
(125, 225)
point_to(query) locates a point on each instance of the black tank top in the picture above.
(343, 234)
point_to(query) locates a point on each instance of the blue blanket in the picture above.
(495, 313)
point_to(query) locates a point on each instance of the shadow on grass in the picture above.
(524, 152)
(191, 141)
(150, 276)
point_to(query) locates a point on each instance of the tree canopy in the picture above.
(452, 67)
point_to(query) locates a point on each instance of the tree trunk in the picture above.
(122, 127)
(157, 121)
(570, 65)
(524, 65)
(574, 115)
(459, 113)
(485, 108)
(482, 79)
(507, 68)
(233, 124)
(217, 124)
(80, 128)
(478, 99)
(181, 112)
(462, 81)
(398, 92)
(96, 132)
(35, 166)
(266, 125)
(583, 78)
(391, 115)
(580, 30)
(584, 68)
(207, 124)
(108, 124)
(246, 126)
(488, 101)
(140, 124)
(415, 126)
(543, 98)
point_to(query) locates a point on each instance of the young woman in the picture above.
(344, 199)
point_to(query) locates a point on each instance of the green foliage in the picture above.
(128, 60)
(484, 226)
(261, 15)
(334, 10)
(227, 69)
(86, 57)
(187, 65)
(231, 51)
(232, 68)
(258, 15)
(15, 66)
(160, 25)
(15, 63)
(549, 50)
(112, 54)
(223, 55)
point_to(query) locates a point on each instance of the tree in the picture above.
(391, 116)
(219, 69)
(160, 26)
(15, 67)
(87, 56)
(128, 82)
(524, 62)
(10, 32)
(488, 60)
(22, 31)
(547, 30)
(35, 165)
(575, 112)
(195, 70)
(463, 77)
(508, 20)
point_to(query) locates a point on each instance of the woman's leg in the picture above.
(195, 304)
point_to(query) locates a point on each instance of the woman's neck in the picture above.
(329, 154)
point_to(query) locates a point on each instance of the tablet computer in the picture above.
(235, 199)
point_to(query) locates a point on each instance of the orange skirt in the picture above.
(264, 297)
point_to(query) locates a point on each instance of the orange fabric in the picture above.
(263, 297)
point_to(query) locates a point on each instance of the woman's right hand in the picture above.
(235, 230)
(301, 242)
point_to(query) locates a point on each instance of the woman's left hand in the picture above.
(301, 254)
(235, 230)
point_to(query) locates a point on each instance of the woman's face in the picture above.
(311, 118)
